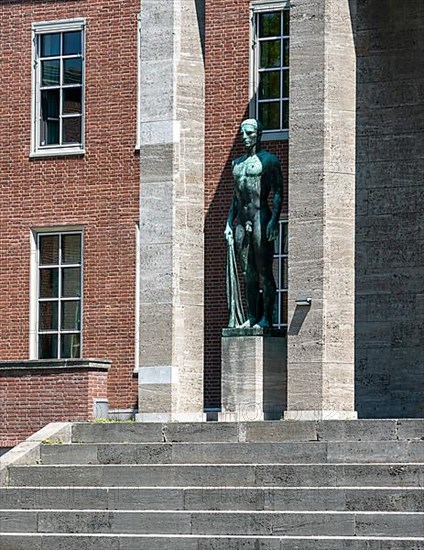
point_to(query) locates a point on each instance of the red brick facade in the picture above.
(98, 191)
(30, 399)
(227, 104)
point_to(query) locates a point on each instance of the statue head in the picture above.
(251, 133)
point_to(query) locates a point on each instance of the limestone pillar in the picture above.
(322, 210)
(171, 211)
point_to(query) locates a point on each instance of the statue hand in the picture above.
(271, 231)
(229, 235)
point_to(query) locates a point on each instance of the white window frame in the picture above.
(280, 257)
(261, 6)
(48, 27)
(34, 284)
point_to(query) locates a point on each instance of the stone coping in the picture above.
(254, 331)
(11, 368)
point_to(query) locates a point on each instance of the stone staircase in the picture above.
(329, 485)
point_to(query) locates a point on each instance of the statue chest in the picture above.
(247, 174)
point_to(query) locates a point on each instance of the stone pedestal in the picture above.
(253, 374)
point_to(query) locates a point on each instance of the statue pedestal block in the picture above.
(254, 374)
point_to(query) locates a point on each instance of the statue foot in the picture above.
(264, 323)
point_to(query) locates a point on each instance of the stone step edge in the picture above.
(230, 537)
(213, 465)
(212, 512)
(215, 487)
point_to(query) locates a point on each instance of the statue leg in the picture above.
(264, 251)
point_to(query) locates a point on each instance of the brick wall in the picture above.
(227, 104)
(99, 190)
(31, 398)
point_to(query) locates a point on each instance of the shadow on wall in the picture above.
(219, 179)
(390, 209)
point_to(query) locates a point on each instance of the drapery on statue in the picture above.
(255, 173)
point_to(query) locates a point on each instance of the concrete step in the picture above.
(300, 523)
(326, 430)
(234, 453)
(36, 541)
(214, 498)
(220, 475)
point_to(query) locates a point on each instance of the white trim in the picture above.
(137, 299)
(262, 6)
(45, 27)
(58, 151)
(62, 25)
(138, 139)
(269, 5)
(34, 274)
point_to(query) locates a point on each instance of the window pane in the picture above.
(269, 85)
(49, 283)
(50, 104)
(72, 100)
(270, 55)
(72, 130)
(71, 249)
(285, 115)
(72, 71)
(269, 115)
(49, 249)
(284, 314)
(47, 346)
(71, 282)
(72, 43)
(284, 244)
(286, 58)
(275, 271)
(286, 83)
(50, 45)
(70, 346)
(286, 22)
(284, 273)
(50, 72)
(70, 315)
(270, 24)
(48, 316)
(275, 319)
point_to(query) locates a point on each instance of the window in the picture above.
(280, 267)
(59, 294)
(270, 68)
(58, 88)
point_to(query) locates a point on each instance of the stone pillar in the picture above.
(322, 210)
(171, 211)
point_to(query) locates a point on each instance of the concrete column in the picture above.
(322, 210)
(171, 211)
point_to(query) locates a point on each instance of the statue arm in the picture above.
(277, 188)
(232, 215)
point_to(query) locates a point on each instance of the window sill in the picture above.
(59, 152)
(275, 136)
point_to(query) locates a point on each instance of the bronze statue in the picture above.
(255, 173)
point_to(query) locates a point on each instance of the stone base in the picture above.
(320, 415)
(254, 375)
(170, 417)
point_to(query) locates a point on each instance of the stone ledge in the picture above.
(13, 368)
(254, 331)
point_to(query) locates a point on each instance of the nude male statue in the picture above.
(255, 173)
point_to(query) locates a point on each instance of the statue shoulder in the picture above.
(268, 159)
(238, 160)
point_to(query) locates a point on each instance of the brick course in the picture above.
(31, 399)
